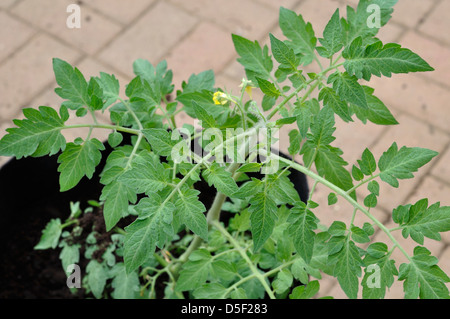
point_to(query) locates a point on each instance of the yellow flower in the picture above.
(247, 84)
(220, 98)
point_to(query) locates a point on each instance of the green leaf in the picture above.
(255, 60)
(356, 25)
(379, 273)
(195, 272)
(268, 88)
(221, 179)
(116, 197)
(37, 135)
(210, 291)
(378, 59)
(191, 210)
(199, 82)
(359, 235)
(305, 292)
(400, 164)
(110, 86)
(69, 255)
(347, 267)
(331, 99)
(97, 276)
(332, 199)
(337, 229)
(295, 140)
(126, 286)
(348, 88)
(153, 229)
(263, 215)
(367, 164)
(357, 174)
(370, 200)
(73, 85)
(280, 188)
(160, 140)
(303, 223)
(77, 161)
(332, 36)
(419, 220)
(377, 112)
(374, 188)
(283, 54)
(146, 178)
(422, 277)
(207, 120)
(300, 34)
(283, 281)
(50, 235)
(115, 138)
(159, 78)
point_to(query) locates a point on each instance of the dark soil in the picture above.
(29, 198)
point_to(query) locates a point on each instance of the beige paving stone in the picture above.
(150, 41)
(411, 12)
(442, 169)
(280, 3)
(246, 18)
(119, 10)
(28, 72)
(11, 41)
(436, 54)
(416, 95)
(205, 48)
(411, 133)
(4, 4)
(51, 16)
(437, 23)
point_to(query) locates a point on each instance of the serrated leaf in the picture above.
(116, 197)
(283, 281)
(191, 210)
(221, 179)
(96, 278)
(125, 286)
(69, 255)
(160, 140)
(255, 60)
(207, 120)
(303, 223)
(347, 267)
(376, 112)
(73, 85)
(379, 273)
(263, 215)
(110, 86)
(268, 88)
(159, 78)
(378, 59)
(146, 178)
(143, 235)
(283, 54)
(300, 34)
(332, 36)
(397, 164)
(37, 135)
(423, 278)
(210, 291)
(195, 272)
(78, 161)
(357, 174)
(348, 88)
(305, 292)
(357, 22)
(199, 82)
(50, 235)
(332, 100)
(367, 164)
(419, 220)
(332, 199)
(295, 140)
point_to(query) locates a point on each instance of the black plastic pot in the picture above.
(29, 198)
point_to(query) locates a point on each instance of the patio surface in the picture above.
(194, 36)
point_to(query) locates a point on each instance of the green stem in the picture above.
(244, 255)
(351, 190)
(104, 126)
(347, 197)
